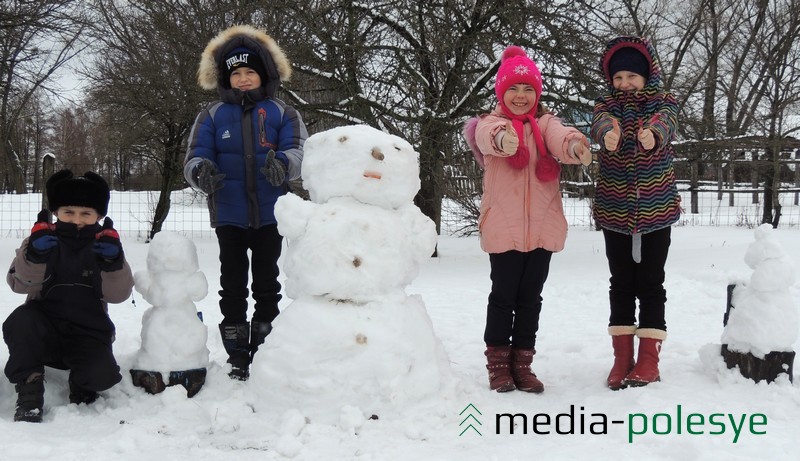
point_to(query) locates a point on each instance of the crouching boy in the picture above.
(70, 270)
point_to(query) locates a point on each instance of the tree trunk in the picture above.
(15, 177)
(732, 178)
(766, 215)
(797, 177)
(754, 176)
(694, 183)
(769, 368)
(169, 176)
(431, 164)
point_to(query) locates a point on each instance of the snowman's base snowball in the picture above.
(153, 382)
(323, 355)
(769, 368)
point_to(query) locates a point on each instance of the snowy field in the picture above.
(700, 410)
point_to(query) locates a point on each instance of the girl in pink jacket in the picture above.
(522, 221)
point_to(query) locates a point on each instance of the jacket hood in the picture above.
(276, 64)
(639, 44)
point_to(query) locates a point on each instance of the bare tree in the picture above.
(777, 52)
(37, 37)
(144, 79)
(415, 69)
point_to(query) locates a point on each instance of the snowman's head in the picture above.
(170, 251)
(765, 247)
(361, 162)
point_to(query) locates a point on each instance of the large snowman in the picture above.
(173, 349)
(352, 336)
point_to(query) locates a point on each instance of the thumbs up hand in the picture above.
(580, 150)
(43, 238)
(611, 139)
(108, 247)
(510, 141)
(646, 138)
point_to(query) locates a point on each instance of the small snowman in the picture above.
(763, 321)
(352, 336)
(173, 335)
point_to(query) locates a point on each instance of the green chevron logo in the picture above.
(470, 421)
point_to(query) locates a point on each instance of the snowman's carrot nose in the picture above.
(372, 174)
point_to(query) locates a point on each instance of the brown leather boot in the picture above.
(524, 378)
(498, 363)
(622, 341)
(646, 369)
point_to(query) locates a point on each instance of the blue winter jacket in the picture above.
(237, 138)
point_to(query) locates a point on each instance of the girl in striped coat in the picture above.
(636, 202)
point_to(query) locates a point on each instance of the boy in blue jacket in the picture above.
(242, 150)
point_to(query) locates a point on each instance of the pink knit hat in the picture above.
(516, 67)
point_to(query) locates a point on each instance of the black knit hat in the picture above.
(242, 57)
(629, 59)
(89, 190)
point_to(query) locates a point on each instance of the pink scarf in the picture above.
(547, 168)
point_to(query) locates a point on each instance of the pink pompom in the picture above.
(512, 51)
(547, 168)
(520, 160)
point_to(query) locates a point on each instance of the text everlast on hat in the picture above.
(243, 57)
(89, 190)
(629, 59)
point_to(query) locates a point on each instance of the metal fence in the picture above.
(132, 213)
(713, 192)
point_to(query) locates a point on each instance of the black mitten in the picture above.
(274, 169)
(108, 247)
(43, 238)
(206, 177)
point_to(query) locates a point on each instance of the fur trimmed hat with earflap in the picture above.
(66, 189)
(212, 73)
(517, 68)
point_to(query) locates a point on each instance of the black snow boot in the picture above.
(30, 400)
(236, 339)
(78, 395)
(191, 380)
(258, 333)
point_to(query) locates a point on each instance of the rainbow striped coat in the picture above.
(636, 190)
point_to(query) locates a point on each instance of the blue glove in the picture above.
(108, 247)
(43, 238)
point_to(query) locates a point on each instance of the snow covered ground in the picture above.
(700, 410)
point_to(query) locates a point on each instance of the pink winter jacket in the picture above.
(519, 212)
